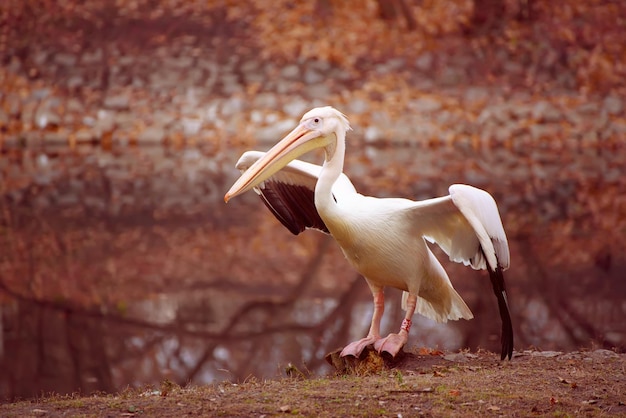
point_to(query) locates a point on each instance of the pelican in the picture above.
(383, 239)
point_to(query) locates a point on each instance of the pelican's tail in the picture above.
(455, 309)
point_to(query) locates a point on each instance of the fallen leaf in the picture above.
(456, 357)
(425, 351)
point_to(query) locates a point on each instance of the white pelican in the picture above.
(384, 239)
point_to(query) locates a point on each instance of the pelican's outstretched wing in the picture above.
(290, 193)
(467, 226)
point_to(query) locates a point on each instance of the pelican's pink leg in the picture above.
(355, 348)
(393, 343)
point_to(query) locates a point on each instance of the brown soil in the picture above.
(424, 383)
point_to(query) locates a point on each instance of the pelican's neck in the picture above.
(331, 170)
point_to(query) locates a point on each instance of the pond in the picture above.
(124, 267)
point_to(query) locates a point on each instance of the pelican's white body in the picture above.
(384, 239)
(388, 251)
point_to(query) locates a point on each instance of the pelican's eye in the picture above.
(314, 123)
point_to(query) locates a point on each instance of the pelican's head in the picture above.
(330, 119)
(321, 127)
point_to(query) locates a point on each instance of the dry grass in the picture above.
(532, 384)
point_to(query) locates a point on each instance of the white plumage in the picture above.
(384, 239)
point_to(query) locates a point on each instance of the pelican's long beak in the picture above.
(299, 141)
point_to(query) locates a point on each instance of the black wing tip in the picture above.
(507, 336)
(292, 205)
(507, 339)
(280, 211)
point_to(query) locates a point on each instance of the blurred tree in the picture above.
(524, 11)
(488, 14)
(390, 9)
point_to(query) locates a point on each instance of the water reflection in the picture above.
(125, 267)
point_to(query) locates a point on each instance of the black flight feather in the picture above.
(497, 282)
(292, 205)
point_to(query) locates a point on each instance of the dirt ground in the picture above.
(66, 83)
(421, 383)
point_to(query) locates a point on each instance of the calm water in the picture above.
(125, 267)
